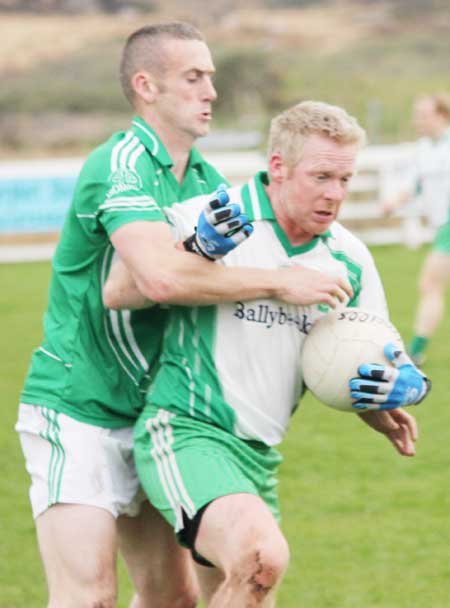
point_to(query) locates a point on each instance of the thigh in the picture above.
(184, 464)
(151, 551)
(73, 462)
(78, 546)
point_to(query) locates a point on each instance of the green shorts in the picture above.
(441, 241)
(183, 464)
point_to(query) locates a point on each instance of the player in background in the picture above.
(230, 374)
(87, 381)
(429, 179)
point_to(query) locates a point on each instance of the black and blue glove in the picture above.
(382, 387)
(221, 227)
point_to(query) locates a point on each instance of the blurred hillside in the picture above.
(59, 58)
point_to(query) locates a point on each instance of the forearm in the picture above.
(185, 278)
(163, 274)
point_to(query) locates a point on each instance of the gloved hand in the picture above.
(221, 227)
(381, 387)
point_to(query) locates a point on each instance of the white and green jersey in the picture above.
(95, 364)
(429, 176)
(237, 365)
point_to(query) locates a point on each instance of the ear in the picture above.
(144, 86)
(278, 171)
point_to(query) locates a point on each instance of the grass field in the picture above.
(367, 528)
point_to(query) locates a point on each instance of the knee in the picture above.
(262, 568)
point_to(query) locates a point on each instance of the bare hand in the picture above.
(397, 425)
(305, 286)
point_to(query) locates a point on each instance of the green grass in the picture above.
(367, 528)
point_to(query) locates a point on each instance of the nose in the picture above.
(336, 191)
(209, 93)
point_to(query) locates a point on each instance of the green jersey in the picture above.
(95, 364)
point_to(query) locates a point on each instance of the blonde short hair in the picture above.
(290, 129)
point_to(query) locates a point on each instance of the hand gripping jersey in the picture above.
(95, 364)
(237, 365)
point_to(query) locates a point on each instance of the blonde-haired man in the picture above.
(429, 180)
(230, 375)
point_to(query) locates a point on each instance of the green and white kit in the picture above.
(87, 380)
(235, 367)
(94, 364)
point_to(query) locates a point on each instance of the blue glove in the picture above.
(381, 387)
(220, 228)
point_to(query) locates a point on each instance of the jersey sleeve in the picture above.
(127, 199)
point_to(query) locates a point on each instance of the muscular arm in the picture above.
(154, 270)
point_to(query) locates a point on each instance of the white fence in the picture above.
(34, 196)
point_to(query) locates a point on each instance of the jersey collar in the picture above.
(151, 141)
(154, 145)
(195, 158)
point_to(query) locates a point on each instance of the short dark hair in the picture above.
(142, 50)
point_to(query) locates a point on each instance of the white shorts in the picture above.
(74, 462)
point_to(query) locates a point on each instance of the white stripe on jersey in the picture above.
(126, 317)
(114, 316)
(126, 151)
(116, 150)
(152, 137)
(135, 155)
(121, 209)
(138, 201)
(52, 356)
(110, 342)
(106, 325)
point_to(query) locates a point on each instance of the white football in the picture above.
(335, 347)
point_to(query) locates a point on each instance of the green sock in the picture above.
(418, 345)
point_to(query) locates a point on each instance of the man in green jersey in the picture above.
(230, 374)
(428, 179)
(87, 380)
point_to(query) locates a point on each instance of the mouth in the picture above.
(323, 216)
(206, 115)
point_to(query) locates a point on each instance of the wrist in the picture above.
(191, 245)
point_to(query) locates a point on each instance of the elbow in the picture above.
(109, 298)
